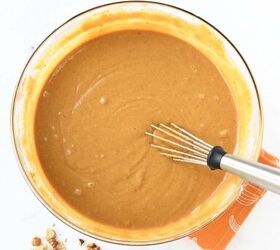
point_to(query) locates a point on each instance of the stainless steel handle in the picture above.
(262, 175)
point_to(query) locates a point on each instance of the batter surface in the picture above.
(94, 110)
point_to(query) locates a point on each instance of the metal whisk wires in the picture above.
(179, 144)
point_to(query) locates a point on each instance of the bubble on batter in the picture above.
(68, 151)
(101, 156)
(45, 138)
(52, 127)
(59, 113)
(223, 133)
(202, 125)
(46, 93)
(55, 136)
(78, 191)
(90, 184)
(103, 100)
(63, 140)
(201, 96)
(193, 68)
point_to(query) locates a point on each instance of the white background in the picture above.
(252, 25)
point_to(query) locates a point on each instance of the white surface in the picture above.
(253, 26)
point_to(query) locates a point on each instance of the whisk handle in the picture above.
(262, 175)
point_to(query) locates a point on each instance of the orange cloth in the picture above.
(218, 234)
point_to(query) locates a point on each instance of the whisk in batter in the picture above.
(191, 149)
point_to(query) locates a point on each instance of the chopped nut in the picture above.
(36, 241)
(51, 234)
(53, 242)
(92, 246)
(60, 246)
(81, 242)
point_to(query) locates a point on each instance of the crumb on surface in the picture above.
(36, 241)
(92, 246)
(50, 234)
(60, 246)
(51, 242)
(81, 241)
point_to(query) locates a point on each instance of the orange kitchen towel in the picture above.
(217, 234)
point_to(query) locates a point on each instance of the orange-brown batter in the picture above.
(94, 110)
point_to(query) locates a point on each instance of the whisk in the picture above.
(180, 145)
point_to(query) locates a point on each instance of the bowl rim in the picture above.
(16, 146)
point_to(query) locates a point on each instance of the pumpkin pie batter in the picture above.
(94, 110)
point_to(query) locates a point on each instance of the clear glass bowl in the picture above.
(122, 16)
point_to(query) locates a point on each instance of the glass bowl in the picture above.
(123, 16)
